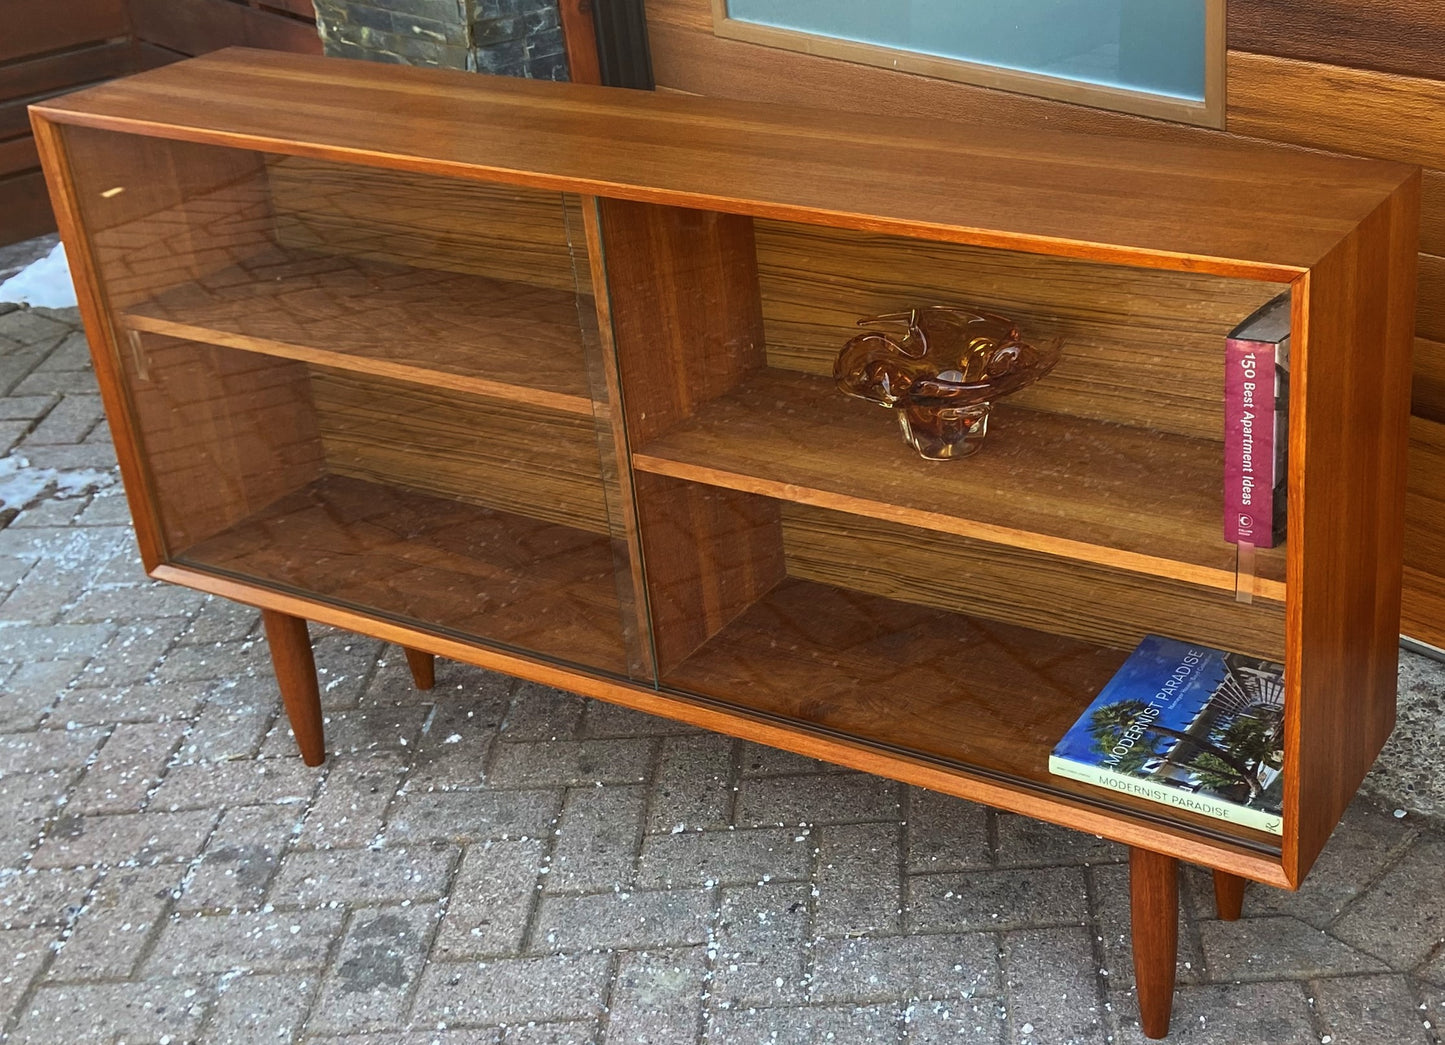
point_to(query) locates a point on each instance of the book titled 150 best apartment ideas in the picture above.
(1187, 726)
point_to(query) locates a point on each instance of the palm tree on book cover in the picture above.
(1227, 761)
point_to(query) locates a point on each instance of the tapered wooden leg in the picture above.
(1154, 903)
(296, 675)
(1229, 895)
(423, 667)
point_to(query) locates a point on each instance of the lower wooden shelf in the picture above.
(477, 573)
(978, 695)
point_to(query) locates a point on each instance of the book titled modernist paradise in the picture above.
(1256, 426)
(1187, 726)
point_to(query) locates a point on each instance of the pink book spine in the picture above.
(1248, 442)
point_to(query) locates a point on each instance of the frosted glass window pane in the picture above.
(1155, 46)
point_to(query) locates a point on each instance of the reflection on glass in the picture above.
(941, 368)
(1155, 46)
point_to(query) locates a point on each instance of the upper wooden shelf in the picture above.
(469, 333)
(1206, 203)
(1066, 486)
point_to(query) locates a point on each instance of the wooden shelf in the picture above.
(1112, 495)
(983, 696)
(473, 572)
(469, 333)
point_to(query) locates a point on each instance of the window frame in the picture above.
(1208, 113)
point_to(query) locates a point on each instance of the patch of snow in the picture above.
(45, 283)
(21, 484)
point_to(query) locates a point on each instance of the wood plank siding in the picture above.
(49, 47)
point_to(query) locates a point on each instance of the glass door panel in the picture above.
(369, 387)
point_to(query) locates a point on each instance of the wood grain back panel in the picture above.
(498, 231)
(1142, 347)
(537, 463)
(1396, 36)
(1043, 592)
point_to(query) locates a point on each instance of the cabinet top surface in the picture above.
(1206, 201)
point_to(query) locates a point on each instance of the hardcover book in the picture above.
(1187, 726)
(1256, 426)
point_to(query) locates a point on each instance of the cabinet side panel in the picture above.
(686, 319)
(1348, 446)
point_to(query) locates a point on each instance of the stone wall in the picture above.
(507, 37)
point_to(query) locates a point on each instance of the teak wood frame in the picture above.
(1340, 232)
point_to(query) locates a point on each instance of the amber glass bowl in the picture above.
(941, 368)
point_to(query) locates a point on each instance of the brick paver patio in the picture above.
(494, 862)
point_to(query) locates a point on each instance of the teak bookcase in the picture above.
(536, 376)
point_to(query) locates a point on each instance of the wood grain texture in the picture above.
(1142, 347)
(42, 75)
(468, 333)
(1346, 494)
(198, 26)
(465, 571)
(1396, 36)
(1216, 204)
(979, 695)
(1043, 592)
(34, 27)
(1129, 827)
(1424, 604)
(686, 320)
(1355, 111)
(579, 35)
(497, 231)
(1331, 107)
(1430, 307)
(18, 154)
(1427, 391)
(1228, 896)
(1154, 928)
(422, 666)
(24, 207)
(295, 668)
(493, 453)
(1432, 213)
(1043, 482)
